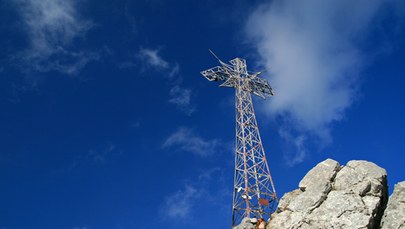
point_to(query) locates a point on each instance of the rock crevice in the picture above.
(394, 215)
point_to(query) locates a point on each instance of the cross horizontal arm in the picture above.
(217, 73)
(237, 76)
(260, 87)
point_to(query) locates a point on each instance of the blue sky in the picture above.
(107, 123)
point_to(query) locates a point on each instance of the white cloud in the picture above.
(198, 192)
(175, 70)
(299, 153)
(181, 97)
(186, 140)
(101, 156)
(152, 59)
(52, 26)
(311, 48)
(209, 174)
(179, 204)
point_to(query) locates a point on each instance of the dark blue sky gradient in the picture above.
(86, 150)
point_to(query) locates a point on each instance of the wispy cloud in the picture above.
(194, 193)
(52, 26)
(152, 59)
(181, 97)
(311, 48)
(297, 151)
(179, 204)
(186, 139)
(99, 155)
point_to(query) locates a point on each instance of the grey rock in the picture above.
(246, 224)
(307, 201)
(361, 177)
(286, 219)
(342, 209)
(314, 186)
(394, 215)
(287, 198)
(320, 176)
(331, 196)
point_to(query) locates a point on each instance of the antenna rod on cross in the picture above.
(215, 55)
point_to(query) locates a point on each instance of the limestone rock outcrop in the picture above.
(334, 196)
(394, 214)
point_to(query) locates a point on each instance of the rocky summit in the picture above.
(334, 196)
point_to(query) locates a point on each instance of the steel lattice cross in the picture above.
(253, 194)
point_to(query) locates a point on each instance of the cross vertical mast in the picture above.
(253, 194)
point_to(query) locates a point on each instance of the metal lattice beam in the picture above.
(254, 194)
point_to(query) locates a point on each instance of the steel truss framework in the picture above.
(254, 194)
